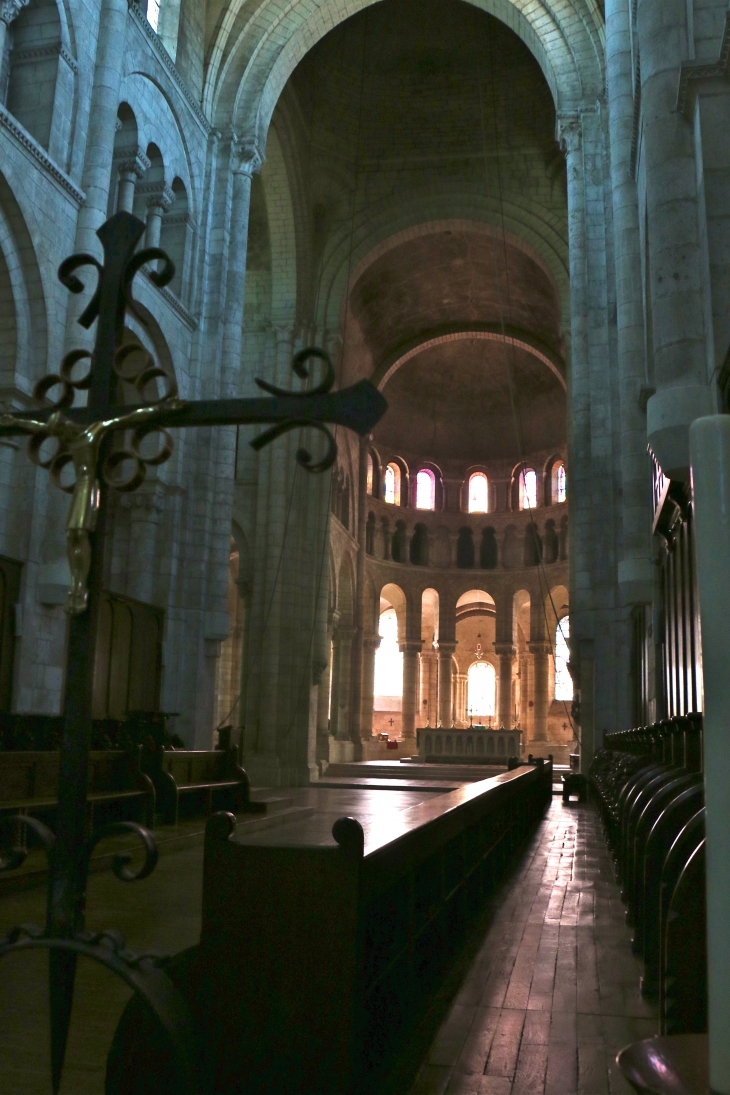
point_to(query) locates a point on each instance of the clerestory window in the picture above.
(478, 493)
(425, 489)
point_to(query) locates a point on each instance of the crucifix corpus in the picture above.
(86, 440)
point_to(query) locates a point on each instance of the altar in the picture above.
(480, 742)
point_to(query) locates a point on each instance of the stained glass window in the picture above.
(563, 680)
(528, 489)
(478, 493)
(388, 658)
(370, 474)
(391, 485)
(481, 684)
(425, 489)
(561, 491)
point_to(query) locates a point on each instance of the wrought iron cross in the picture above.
(83, 439)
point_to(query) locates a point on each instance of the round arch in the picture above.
(485, 332)
(252, 59)
(388, 224)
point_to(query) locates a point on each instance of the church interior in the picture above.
(364, 516)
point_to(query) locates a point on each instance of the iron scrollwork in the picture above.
(299, 366)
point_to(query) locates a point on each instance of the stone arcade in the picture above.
(512, 217)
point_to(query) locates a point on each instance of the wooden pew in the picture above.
(117, 785)
(683, 986)
(214, 777)
(316, 960)
(655, 823)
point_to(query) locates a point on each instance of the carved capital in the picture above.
(247, 156)
(445, 649)
(505, 650)
(541, 647)
(159, 197)
(11, 9)
(132, 162)
(162, 200)
(569, 133)
(411, 646)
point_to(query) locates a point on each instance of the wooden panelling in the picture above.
(9, 595)
(128, 657)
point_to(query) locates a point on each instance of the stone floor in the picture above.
(552, 993)
(549, 996)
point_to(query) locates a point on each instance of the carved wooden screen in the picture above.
(9, 596)
(128, 657)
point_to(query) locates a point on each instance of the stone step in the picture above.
(274, 803)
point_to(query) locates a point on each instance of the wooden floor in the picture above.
(553, 992)
(550, 995)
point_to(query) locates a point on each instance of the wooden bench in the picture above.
(649, 786)
(213, 776)
(316, 960)
(29, 784)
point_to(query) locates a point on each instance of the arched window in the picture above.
(478, 493)
(388, 658)
(563, 680)
(481, 685)
(370, 474)
(391, 487)
(528, 489)
(153, 14)
(425, 489)
(561, 484)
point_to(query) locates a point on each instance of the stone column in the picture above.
(369, 647)
(157, 205)
(505, 653)
(360, 730)
(245, 161)
(677, 271)
(145, 507)
(343, 668)
(96, 175)
(635, 574)
(429, 687)
(525, 690)
(445, 714)
(580, 441)
(132, 165)
(411, 650)
(461, 698)
(540, 652)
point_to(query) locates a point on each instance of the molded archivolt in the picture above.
(257, 47)
(24, 354)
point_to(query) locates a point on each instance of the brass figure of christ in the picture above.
(81, 445)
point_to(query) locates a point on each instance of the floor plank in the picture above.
(561, 995)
